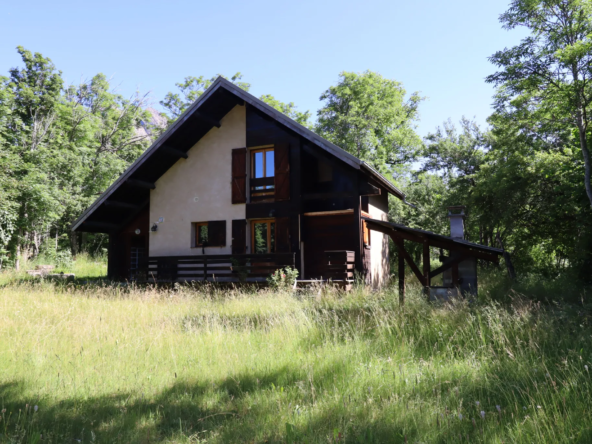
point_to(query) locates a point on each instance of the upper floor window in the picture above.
(262, 173)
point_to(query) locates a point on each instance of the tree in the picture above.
(191, 88)
(370, 117)
(551, 69)
(289, 109)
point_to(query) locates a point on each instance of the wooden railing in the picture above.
(262, 188)
(215, 267)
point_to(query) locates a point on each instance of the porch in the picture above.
(238, 267)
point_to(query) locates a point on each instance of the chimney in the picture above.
(456, 214)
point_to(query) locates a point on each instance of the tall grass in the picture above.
(193, 364)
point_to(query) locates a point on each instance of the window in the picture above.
(262, 173)
(209, 234)
(263, 236)
(201, 234)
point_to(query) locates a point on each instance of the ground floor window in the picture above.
(209, 234)
(263, 236)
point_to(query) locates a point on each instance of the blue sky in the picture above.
(292, 50)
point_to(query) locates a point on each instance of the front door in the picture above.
(325, 233)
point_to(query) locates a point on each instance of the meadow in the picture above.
(94, 362)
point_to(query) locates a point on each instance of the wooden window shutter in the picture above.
(217, 233)
(239, 236)
(282, 171)
(282, 235)
(239, 175)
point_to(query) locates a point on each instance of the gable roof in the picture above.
(194, 123)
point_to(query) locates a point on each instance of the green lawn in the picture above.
(139, 365)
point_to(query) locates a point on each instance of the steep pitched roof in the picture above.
(194, 123)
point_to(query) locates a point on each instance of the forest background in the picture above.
(525, 177)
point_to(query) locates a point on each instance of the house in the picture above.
(234, 190)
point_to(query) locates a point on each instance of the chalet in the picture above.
(235, 189)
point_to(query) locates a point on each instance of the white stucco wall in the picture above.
(198, 189)
(379, 249)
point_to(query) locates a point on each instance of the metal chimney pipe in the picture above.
(456, 214)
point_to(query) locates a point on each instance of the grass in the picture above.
(119, 364)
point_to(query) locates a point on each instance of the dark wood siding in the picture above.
(282, 235)
(122, 242)
(282, 171)
(324, 233)
(239, 236)
(239, 175)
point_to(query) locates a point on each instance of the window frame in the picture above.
(196, 226)
(263, 221)
(266, 193)
(195, 235)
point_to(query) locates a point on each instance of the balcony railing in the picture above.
(262, 188)
(215, 267)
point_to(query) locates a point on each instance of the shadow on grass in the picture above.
(294, 404)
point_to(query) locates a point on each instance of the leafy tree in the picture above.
(191, 88)
(370, 117)
(550, 69)
(289, 109)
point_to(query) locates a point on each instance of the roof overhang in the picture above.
(134, 184)
(438, 240)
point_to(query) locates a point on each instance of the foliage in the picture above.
(370, 117)
(191, 88)
(283, 278)
(196, 364)
(550, 70)
(59, 147)
(289, 109)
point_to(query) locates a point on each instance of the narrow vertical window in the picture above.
(262, 173)
(263, 236)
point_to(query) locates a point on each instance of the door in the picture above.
(325, 233)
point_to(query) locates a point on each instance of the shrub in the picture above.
(283, 278)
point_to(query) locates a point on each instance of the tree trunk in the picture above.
(74, 242)
(84, 242)
(587, 166)
(17, 262)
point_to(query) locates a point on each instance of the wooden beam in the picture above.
(336, 195)
(455, 275)
(448, 264)
(330, 213)
(133, 214)
(426, 264)
(467, 251)
(409, 259)
(141, 184)
(173, 152)
(401, 258)
(117, 204)
(96, 224)
(207, 119)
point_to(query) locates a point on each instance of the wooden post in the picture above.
(455, 276)
(401, 273)
(426, 268)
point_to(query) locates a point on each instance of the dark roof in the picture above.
(193, 124)
(434, 236)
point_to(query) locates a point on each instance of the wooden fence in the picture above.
(215, 267)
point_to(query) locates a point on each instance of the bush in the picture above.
(63, 259)
(282, 279)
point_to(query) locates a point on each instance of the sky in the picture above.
(291, 50)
